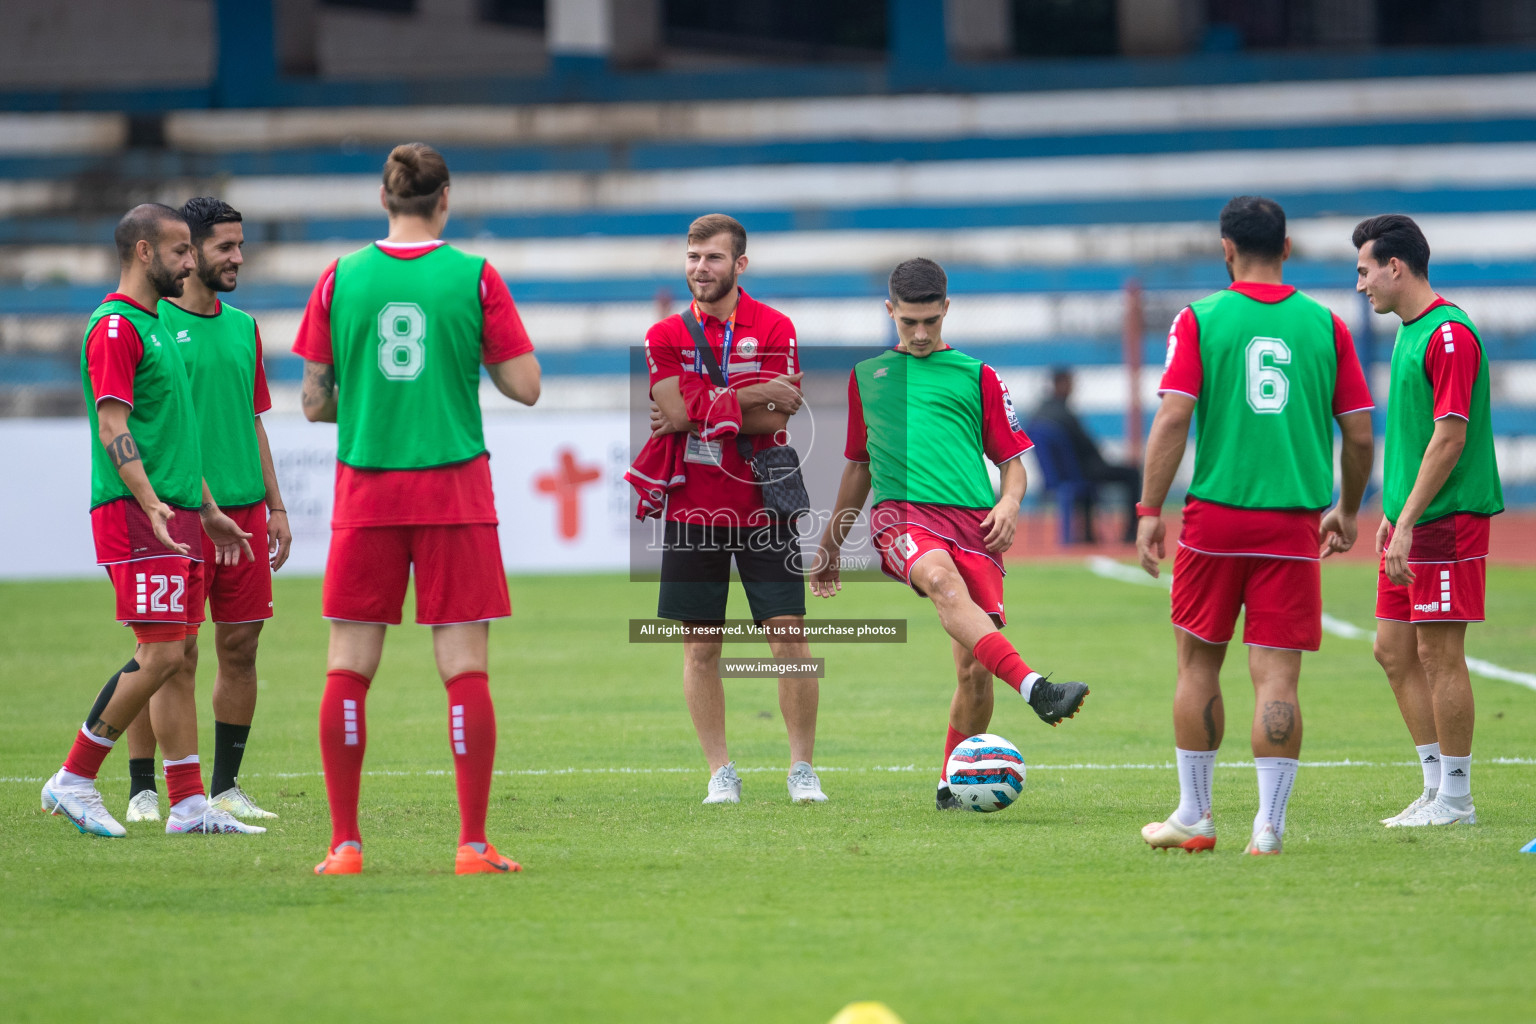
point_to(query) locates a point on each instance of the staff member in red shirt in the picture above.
(715, 513)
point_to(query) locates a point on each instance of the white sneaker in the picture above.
(805, 785)
(1420, 802)
(1439, 811)
(82, 805)
(145, 806)
(211, 821)
(724, 785)
(236, 802)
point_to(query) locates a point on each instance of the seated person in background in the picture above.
(1090, 460)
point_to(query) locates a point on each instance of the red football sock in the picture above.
(951, 741)
(86, 755)
(995, 652)
(183, 778)
(472, 735)
(343, 737)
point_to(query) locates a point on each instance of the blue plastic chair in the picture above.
(1064, 478)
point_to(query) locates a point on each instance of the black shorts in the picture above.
(696, 571)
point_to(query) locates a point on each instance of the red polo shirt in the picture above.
(762, 348)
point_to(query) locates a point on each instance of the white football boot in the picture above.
(82, 805)
(724, 785)
(236, 802)
(1423, 800)
(1439, 811)
(1264, 842)
(145, 806)
(1170, 835)
(805, 785)
(208, 821)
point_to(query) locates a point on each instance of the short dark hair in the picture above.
(203, 212)
(917, 281)
(712, 224)
(414, 178)
(143, 223)
(1255, 225)
(1396, 237)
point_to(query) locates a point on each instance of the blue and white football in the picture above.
(986, 773)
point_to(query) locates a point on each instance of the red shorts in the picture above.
(902, 545)
(459, 577)
(164, 590)
(241, 592)
(1440, 592)
(1282, 599)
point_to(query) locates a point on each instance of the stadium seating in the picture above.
(1042, 206)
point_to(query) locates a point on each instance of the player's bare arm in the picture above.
(229, 541)
(519, 378)
(852, 492)
(1339, 526)
(318, 392)
(1003, 520)
(112, 419)
(1445, 447)
(1165, 450)
(279, 533)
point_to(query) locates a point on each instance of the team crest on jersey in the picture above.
(747, 347)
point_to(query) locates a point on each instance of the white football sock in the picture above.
(1429, 760)
(1276, 777)
(1456, 776)
(192, 806)
(1196, 767)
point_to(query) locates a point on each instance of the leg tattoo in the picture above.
(1279, 721)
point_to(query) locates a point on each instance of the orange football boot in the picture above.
(470, 861)
(344, 860)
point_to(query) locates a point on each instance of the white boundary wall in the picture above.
(45, 519)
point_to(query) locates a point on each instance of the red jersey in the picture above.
(1216, 529)
(442, 495)
(719, 485)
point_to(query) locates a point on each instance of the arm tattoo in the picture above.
(1210, 722)
(123, 450)
(319, 385)
(1279, 721)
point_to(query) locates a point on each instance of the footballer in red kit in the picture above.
(393, 340)
(1270, 371)
(221, 349)
(147, 496)
(1440, 487)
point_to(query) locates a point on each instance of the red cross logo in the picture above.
(565, 485)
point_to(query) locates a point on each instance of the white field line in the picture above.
(869, 770)
(1113, 570)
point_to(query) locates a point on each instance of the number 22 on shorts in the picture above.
(156, 600)
(402, 330)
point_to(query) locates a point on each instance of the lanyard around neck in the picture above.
(730, 329)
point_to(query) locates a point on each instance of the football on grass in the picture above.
(986, 772)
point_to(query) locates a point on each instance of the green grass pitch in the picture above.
(638, 904)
